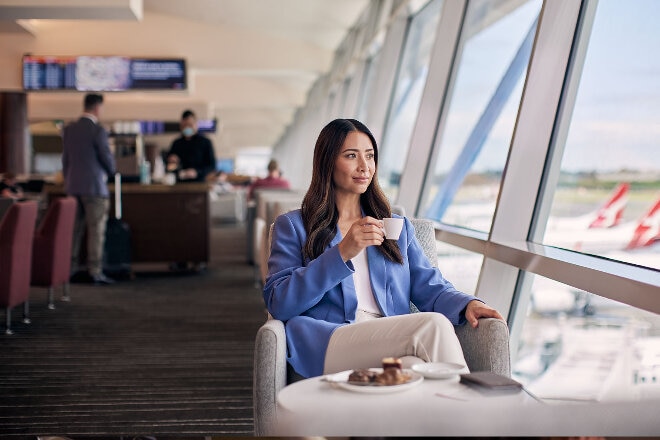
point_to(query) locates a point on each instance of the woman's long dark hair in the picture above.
(319, 210)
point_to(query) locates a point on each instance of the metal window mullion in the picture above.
(352, 98)
(565, 114)
(529, 145)
(472, 241)
(630, 284)
(379, 101)
(431, 105)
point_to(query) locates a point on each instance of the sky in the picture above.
(484, 59)
(616, 119)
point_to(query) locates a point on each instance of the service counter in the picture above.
(168, 223)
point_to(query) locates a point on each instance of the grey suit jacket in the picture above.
(87, 161)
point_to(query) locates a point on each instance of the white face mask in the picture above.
(188, 131)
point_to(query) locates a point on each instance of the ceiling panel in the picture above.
(250, 63)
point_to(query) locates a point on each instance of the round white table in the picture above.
(314, 407)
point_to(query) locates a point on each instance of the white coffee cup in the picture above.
(392, 227)
(169, 179)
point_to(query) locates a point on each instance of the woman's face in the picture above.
(355, 166)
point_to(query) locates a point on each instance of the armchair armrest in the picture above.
(269, 373)
(486, 348)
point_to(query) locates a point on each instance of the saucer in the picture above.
(439, 370)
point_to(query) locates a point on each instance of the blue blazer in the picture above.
(87, 161)
(315, 297)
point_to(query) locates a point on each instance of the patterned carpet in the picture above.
(164, 354)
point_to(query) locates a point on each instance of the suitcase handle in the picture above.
(118, 196)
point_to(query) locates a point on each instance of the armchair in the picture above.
(16, 235)
(51, 251)
(486, 348)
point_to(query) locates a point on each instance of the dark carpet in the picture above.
(163, 354)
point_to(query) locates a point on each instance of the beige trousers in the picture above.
(417, 337)
(92, 215)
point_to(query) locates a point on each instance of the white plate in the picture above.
(439, 370)
(340, 380)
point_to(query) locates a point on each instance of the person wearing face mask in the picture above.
(192, 152)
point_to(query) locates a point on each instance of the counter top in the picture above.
(167, 222)
(141, 188)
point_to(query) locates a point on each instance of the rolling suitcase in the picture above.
(117, 250)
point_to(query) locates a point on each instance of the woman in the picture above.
(332, 273)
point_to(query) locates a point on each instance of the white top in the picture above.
(362, 281)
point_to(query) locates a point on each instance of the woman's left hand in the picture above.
(476, 309)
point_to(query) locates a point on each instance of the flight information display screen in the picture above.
(103, 74)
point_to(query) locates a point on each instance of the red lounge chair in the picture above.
(16, 234)
(51, 251)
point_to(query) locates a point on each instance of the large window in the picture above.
(602, 188)
(578, 346)
(407, 96)
(496, 43)
(368, 86)
(607, 198)
(341, 105)
(461, 267)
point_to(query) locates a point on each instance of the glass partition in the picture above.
(473, 142)
(601, 197)
(576, 345)
(408, 90)
(607, 196)
(368, 86)
(459, 266)
(341, 105)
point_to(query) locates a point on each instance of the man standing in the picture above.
(87, 163)
(192, 152)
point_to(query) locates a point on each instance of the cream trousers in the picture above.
(415, 338)
(92, 215)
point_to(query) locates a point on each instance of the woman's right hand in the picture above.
(366, 231)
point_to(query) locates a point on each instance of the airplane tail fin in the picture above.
(647, 231)
(611, 213)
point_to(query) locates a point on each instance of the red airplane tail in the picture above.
(647, 231)
(611, 213)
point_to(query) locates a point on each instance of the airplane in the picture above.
(606, 357)
(589, 363)
(479, 215)
(603, 231)
(648, 255)
(636, 243)
(648, 229)
(610, 214)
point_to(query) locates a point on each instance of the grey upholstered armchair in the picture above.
(486, 348)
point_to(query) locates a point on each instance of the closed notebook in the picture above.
(490, 380)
